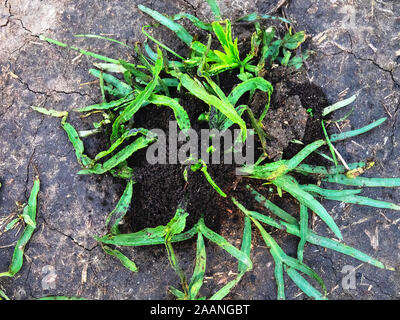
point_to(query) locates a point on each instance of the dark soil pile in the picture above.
(161, 188)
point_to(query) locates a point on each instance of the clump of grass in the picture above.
(151, 82)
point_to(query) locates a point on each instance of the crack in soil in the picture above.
(28, 166)
(334, 271)
(9, 15)
(382, 290)
(18, 19)
(372, 61)
(48, 94)
(31, 157)
(351, 52)
(192, 6)
(52, 228)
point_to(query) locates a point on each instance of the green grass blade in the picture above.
(109, 67)
(321, 170)
(280, 283)
(11, 224)
(211, 181)
(50, 112)
(285, 183)
(84, 52)
(122, 171)
(316, 239)
(141, 98)
(329, 193)
(177, 293)
(293, 41)
(296, 264)
(365, 201)
(304, 153)
(27, 219)
(140, 76)
(342, 248)
(181, 115)
(160, 43)
(18, 255)
(226, 124)
(224, 244)
(329, 143)
(284, 167)
(323, 155)
(95, 36)
(231, 54)
(257, 126)
(103, 106)
(222, 38)
(3, 295)
(304, 285)
(224, 291)
(278, 255)
(254, 214)
(179, 30)
(362, 181)
(227, 109)
(120, 140)
(249, 85)
(145, 237)
(203, 62)
(126, 262)
(121, 209)
(215, 9)
(217, 90)
(123, 88)
(246, 243)
(103, 94)
(177, 224)
(272, 207)
(200, 268)
(276, 251)
(255, 16)
(353, 133)
(125, 153)
(303, 231)
(173, 260)
(77, 143)
(338, 105)
(221, 67)
(196, 21)
(263, 171)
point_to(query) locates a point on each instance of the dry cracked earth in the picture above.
(357, 49)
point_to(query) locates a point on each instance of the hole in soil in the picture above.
(160, 188)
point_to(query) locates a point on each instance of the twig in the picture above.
(278, 6)
(340, 158)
